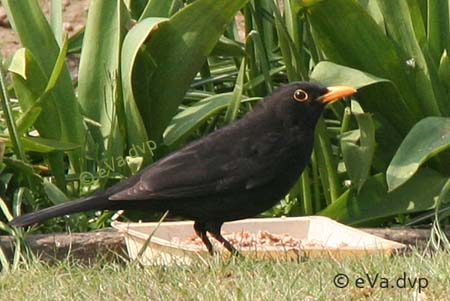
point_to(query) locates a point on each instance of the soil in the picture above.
(74, 18)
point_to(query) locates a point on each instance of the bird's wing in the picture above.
(209, 166)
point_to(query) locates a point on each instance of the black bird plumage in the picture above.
(233, 173)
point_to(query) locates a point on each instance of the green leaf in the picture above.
(444, 71)
(133, 62)
(25, 170)
(36, 35)
(358, 147)
(371, 6)
(233, 107)
(27, 119)
(426, 139)
(179, 48)
(400, 28)
(365, 47)
(331, 74)
(98, 81)
(157, 8)
(42, 145)
(30, 83)
(30, 116)
(4, 208)
(76, 42)
(56, 20)
(55, 195)
(374, 201)
(438, 27)
(291, 55)
(228, 47)
(188, 120)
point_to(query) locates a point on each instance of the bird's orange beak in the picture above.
(336, 92)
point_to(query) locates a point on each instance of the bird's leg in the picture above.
(200, 230)
(214, 229)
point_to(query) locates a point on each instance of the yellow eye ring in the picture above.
(300, 95)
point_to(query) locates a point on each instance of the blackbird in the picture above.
(233, 173)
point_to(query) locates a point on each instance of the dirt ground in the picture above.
(74, 17)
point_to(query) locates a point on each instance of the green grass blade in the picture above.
(330, 161)
(4, 261)
(10, 122)
(233, 107)
(17, 201)
(5, 210)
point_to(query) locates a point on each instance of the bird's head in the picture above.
(304, 102)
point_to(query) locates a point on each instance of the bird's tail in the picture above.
(90, 203)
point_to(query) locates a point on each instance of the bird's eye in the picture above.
(300, 95)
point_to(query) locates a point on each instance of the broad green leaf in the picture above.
(76, 42)
(188, 120)
(179, 48)
(358, 147)
(228, 47)
(426, 139)
(42, 145)
(438, 27)
(30, 83)
(24, 172)
(27, 119)
(157, 8)
(55, 195)
(307, 3)
(98, 80)
(400, 28)
(56, 20)
(374, 202)
(136, 7)
(331, 74)
(387, 137)
(365, 47)
(371, 6)
(36, 35)
(30, 116)
(132, 65)
(418, 17)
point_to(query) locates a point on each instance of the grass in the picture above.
(233, 279)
